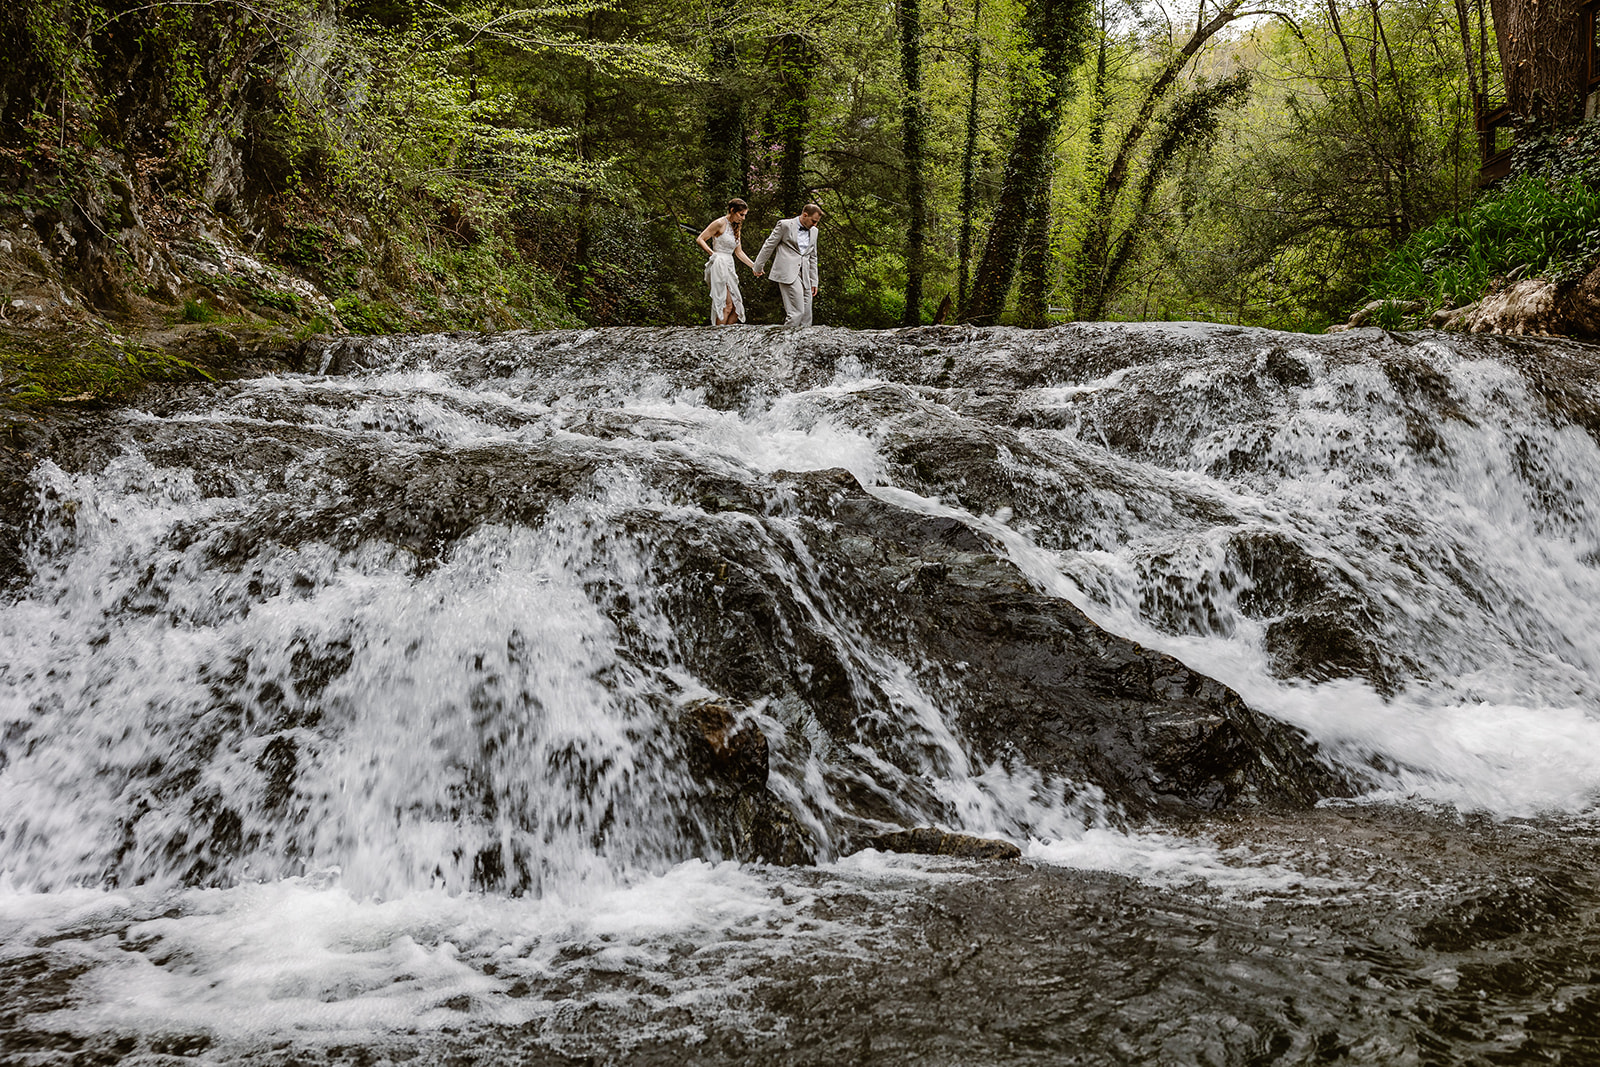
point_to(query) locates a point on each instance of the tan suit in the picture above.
(795, 274)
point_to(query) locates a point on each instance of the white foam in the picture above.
(1168, 860)
(305, 957)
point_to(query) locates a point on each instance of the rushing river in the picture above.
(363, 715)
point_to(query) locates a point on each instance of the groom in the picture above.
(792, 247)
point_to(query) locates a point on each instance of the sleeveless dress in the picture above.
(721, 277)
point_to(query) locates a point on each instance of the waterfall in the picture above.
(428, 644)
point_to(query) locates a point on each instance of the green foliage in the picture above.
(290, 303)
(58, 50)
(173, 38)
(332, 261)
(1190, 124)
(1529, 226)
(1390, 314)
(515, 163)
(1565, 153)
(376, 317)
(1330, 166)
(316, 324)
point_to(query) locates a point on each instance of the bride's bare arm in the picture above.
(707, 234)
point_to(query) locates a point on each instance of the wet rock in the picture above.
(721, 748)
(1321, 643)
(764, 830)
(277, 762)
(846, 618)
(1287, 368)
(727, 754)
(1282, 575)
(1038, 677)
(1024, 674)
(16, 503)
(1511, 906)
(327, 354)
(1318, 626)
(930, 841)
(1564, 379)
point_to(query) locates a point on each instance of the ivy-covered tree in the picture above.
(913, 125)
(1055, 31)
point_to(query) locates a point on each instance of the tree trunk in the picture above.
(1083, 275)
(1093, 255)
(1357, 93)
(580, 293)
(1056, 28)
(913, 123)
(969, 163)
(796, 61)
(1027, 167)
(1033, 290)
(725, 174)
(1542, 54)
(1193, 120)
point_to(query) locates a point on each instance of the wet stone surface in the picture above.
(1408, 937)
(623, 696)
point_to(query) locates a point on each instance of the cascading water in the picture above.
(342, 708)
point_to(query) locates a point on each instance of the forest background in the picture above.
(429, 164)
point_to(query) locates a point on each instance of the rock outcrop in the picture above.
(931, 841)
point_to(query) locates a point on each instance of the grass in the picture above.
(197, 311)
(1529, 227)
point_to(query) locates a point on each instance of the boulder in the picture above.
(721, 748)
(930, 841)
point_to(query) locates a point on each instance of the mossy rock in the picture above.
(84, 367)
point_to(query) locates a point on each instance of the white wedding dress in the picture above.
(722, 278)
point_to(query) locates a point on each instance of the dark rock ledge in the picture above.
(1026, 676)
(931, 841)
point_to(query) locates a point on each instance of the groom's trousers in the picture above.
(796, 301)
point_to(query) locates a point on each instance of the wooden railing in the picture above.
(1495, 137)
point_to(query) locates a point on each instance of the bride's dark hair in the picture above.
(737, 205)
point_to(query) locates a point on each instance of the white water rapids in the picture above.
(438, 705)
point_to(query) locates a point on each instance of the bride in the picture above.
(727, 303)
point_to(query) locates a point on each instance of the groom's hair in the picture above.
(813, 210)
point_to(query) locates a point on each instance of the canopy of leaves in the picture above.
(582, 142)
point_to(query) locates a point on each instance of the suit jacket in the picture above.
(782, 246)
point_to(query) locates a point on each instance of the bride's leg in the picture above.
(729, 316)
